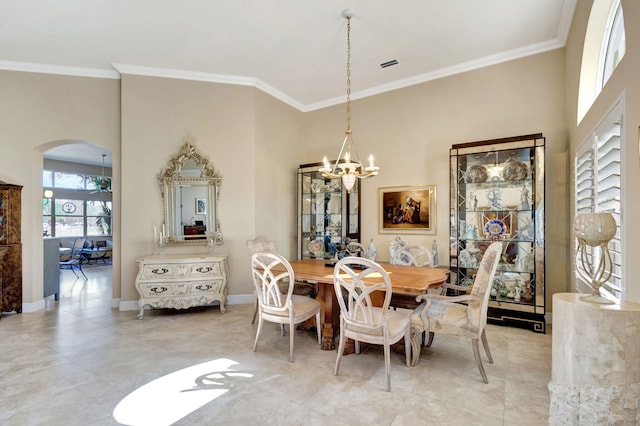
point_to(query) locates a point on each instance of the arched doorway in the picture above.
(77, 218)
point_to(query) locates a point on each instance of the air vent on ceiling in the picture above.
(389, 63)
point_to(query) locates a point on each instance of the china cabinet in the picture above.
(181, 281)
(10, 248)
(497, 194)
(327, 213)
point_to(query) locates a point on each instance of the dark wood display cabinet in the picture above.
(10, 249)
(327, 213)
(497, 194)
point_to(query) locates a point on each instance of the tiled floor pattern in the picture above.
(75, 361)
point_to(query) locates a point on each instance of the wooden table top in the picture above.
(404, 279)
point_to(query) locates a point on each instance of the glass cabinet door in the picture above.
(497, 194)
(327, 213)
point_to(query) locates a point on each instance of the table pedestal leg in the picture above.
(327, 338)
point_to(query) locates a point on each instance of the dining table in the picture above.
(407, 282)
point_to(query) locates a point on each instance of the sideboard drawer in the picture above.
(205, 270)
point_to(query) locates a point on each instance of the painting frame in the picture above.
(401, 209)
(201, 206)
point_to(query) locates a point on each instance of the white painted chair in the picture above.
(274, 306)
(413, 255)
(258, 245)
(359, 319)
(442, 314)
(356, 249)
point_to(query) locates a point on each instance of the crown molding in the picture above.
(559, 42)
(208, 77)
(444, 72)
(58, 69)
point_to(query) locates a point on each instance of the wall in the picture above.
(623, 82)
(39, 112)
(410, 132)
(257, 142)
(247, 136)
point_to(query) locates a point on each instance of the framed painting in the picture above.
(201, 206)
(407, 209)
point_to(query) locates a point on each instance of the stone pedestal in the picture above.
(595, 375)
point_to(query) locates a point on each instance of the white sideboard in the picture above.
(181, 281)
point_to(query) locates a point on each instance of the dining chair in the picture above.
(274, 306)
(447, 315)
(257, 245)
(413, 255)
(263, 244)
(355, 280)
(73, 259)
(356, 249)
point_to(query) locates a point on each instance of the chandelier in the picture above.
(348, 166)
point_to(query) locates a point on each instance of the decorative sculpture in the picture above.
(594, 266)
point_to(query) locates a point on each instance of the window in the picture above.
(79, 208)
(613, 43)
(603, 49)
(598, 189)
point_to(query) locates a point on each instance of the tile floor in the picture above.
(74, 362)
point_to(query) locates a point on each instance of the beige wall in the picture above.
(623, 82)
(39, 112)
(257, 142)
(410, 131)
(249, 137)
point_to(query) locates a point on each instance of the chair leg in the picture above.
(80, 267)
(291, 336)
(408, 346)
(255, 312)
(255, 343)
(476, 355)
(387, 364)
(430, 341)
(485, 344)
(319, 328)
(340, 352)
(416, 345)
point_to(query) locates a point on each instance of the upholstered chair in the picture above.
(447, 315)
(270, 271)
(355, 280)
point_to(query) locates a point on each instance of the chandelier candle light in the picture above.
(351, 168)
(594, 230)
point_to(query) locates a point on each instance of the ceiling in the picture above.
(294, 50)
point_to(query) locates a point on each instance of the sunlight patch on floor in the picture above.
(174, 396)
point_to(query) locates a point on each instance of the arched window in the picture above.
(613, 43)
(604, 47)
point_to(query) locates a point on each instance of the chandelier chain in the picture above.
(349, 74)
(348, 166)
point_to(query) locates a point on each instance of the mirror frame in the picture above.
(171, 178)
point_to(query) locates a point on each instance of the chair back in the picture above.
(414, 255)
(356, 249)
(267, 281)
(477, 308)
(76, 248)
(355, 280)
(261, 244)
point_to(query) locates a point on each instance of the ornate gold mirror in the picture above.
(190, 190)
